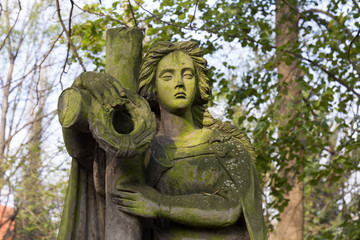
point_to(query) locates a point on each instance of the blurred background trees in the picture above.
(285, 71)
(32, 179)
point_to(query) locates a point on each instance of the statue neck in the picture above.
(175, 126)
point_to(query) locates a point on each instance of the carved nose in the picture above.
(179, 82)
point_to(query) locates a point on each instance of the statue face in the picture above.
(175, 82)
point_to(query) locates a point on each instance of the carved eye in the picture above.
(188, 75)
(167, 77)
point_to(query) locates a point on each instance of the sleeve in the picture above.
(240, 167)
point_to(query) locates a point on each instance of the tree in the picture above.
(299, 88)
(27, 42)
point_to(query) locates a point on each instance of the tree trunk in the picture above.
(32, 209)
(5, 97)
(291, 225)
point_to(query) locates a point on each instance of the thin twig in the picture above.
(212, 30)
(313, 10)
(70, 16)
(21, 128)
(348, 52)
(45, 56)
(101, 15)
(68, 47)
(69, 37)
(132, 13)
(12, 27)
(193, 16)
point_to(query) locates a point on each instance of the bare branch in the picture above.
(70, 16)
(5, 98)
(68, 46)
(69, 37)
(313, 10)
(211, 30)
(12, 27)
(159, 19)
(193, 16)
(132, 13)
(43, 60)
(30, 123)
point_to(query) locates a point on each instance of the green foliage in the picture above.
(89, 35)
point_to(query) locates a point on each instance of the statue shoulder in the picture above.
(226, 130)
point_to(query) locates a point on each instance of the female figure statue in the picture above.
(201, 181)
(197, 180)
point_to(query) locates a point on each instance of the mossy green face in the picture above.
(175, 82)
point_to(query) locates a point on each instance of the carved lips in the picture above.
(180, 95)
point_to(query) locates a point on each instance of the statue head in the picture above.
(148, 73)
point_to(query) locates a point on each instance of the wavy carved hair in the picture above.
(148, 74)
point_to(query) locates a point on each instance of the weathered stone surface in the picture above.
(123, 55)
(169, 171)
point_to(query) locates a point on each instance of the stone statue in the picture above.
(155, 164)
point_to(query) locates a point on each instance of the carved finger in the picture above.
(125, 209)
(127, 189)
(128, 203)
(98, 95)
(122, 202)
(113, 94)
(119, 88)
(93, 87)
(121, 195)
(116, 200)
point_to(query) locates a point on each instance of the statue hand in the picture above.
(140, 200)
(103, 87)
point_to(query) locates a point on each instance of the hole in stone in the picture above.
(122, 120)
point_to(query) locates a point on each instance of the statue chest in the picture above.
(183, 170)
(198, 174)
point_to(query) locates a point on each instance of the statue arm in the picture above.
(200, 209)
(193, 209)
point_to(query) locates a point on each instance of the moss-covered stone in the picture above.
(123, 55)
(200, 181)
